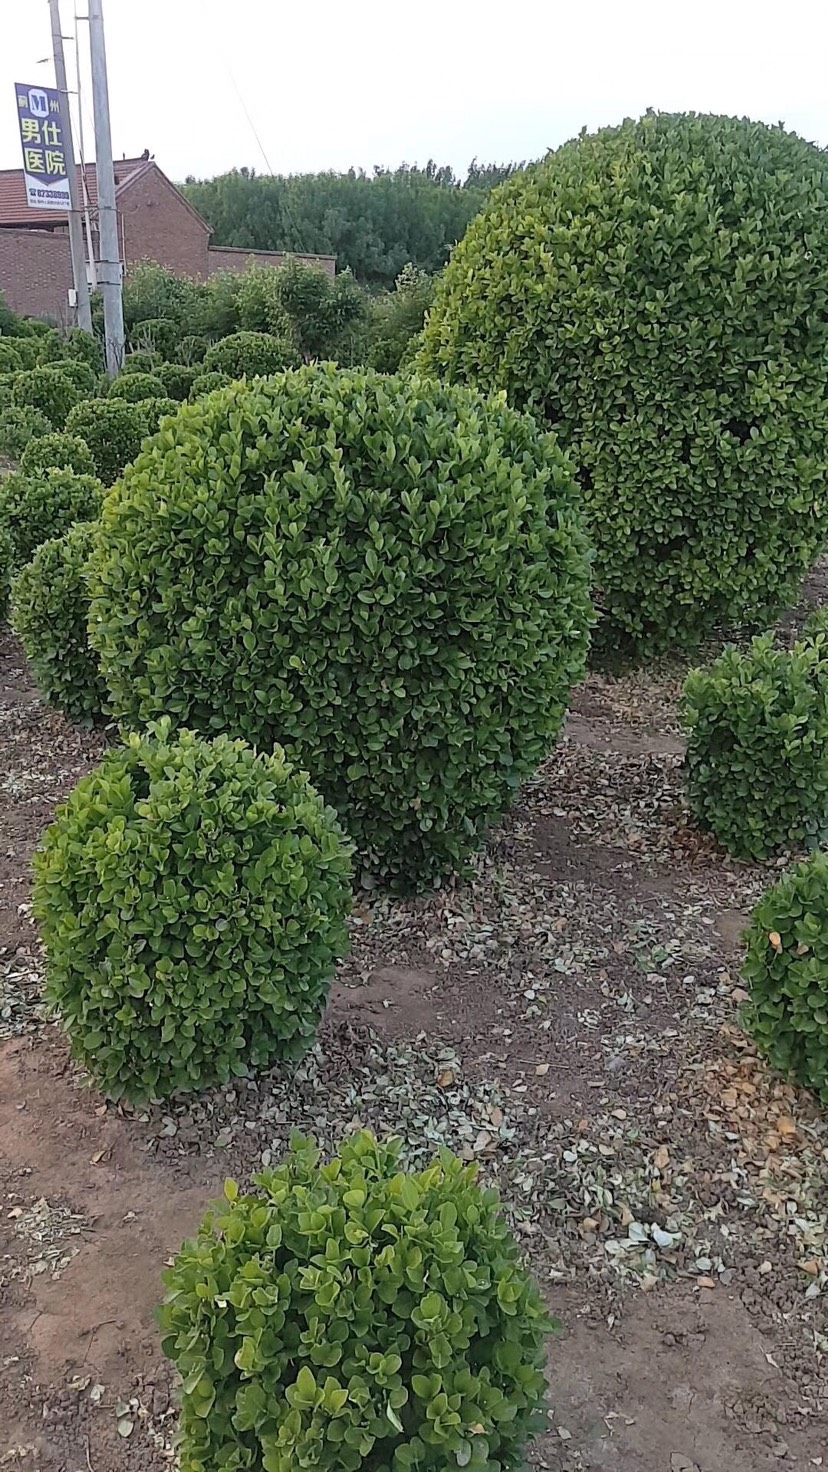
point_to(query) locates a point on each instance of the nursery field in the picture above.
(569, 1018)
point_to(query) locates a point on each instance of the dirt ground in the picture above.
(570, 1018)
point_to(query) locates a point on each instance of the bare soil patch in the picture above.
(569, 1017)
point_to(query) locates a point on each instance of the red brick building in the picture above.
(155, 222)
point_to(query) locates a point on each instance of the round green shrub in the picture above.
(193, 900)
(351, 1315)
(27, 351)
(141, 361)
(86, 348)
(113, 429)
(757, 749)
(34, 508)
(206, 383)
(250, 355)
(48, 389)
(155, 335)
(655, 293)
(386, 576)
(59, 451)
(18, 427)
(82, 375)
(786, 970)
(136, 386)
(50, 345)
(50, 612)
(177, 380)
(191, 349)
(10, 359)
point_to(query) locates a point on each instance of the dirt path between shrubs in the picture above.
(569, 1018)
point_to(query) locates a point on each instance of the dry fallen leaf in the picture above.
(542, 1068)
(662, 1158)
(776, 940)
(785, 1125)
(446, 1078)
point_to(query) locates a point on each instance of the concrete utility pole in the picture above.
(75, 220)
(109, 263)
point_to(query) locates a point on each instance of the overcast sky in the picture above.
(328, 84)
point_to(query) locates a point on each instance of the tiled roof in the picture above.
(15, 211)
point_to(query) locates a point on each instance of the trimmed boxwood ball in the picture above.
(250, 355)
(50, 613)
(786, 970)
(10, 359)
(85, 348)
(18, 427)
(57, 451)
(136, 386)
(35, 508)
(657, 294)
(81, 374)
(757, 748)
(193, 900)
(48, 389)
(350, 1315)
(386, 576)
(114, 430)
(177, 380)
(205, 383)
(141, 361)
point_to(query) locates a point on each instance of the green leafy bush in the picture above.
(350, 1315)
(786, 969)
(176, 380)
(10, 359)
(114, 431)
(207, 382)
(34, 508)
(396, 320)
(155, 335)
(655, 293)
(18, 427)
(387, 576)
(86, 348)
(191, 349)
(193, 900)
(82, 376)
(142, 361)
(757, 750)
(136, 386)
(50, 345)
(48, 389)
(50, 612)
(57, 451)
(250, 354)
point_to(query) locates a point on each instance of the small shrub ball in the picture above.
(385, 576)
(351, 1316)
(193, 898)
(50, 613)
(656, 293)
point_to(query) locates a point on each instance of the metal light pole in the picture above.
(109, 262)
(75, 221)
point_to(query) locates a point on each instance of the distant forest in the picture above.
(375, 223)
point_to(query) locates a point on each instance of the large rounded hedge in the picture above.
(114, 430)
(658, 293)
(48, 389)
(386, 576)
(193, 900)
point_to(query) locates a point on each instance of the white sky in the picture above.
(328, 84)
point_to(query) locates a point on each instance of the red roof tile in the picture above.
(15, 211)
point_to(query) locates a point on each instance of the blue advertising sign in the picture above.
(41, 137)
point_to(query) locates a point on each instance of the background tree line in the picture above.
(375, 223)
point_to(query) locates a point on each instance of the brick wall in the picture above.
(228, 258)
(157, 224)
(36, 272)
